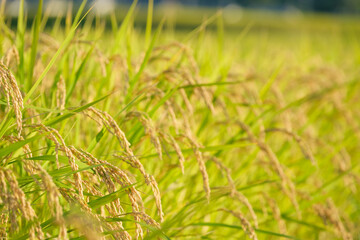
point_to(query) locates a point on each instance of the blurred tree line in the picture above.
(315, 5)
(349, 6)
(310, 5)
(307, 5)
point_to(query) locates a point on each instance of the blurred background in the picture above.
(329, 6)
(189, 13)
(308, 5)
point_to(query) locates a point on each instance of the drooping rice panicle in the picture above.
(9, 86)
(244, 223)
(234, 193)
(329, 212)
(149, 129)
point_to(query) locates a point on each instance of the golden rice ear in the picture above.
(171, 77)
(54, 203)
(157, 196)
(146, 218)
(276, 213)
(329, 213)
(11, 55)
(182, 49)
(201, 162)
(244, 223)
(150, 180)
(287, 185)
(187, 101)
(121, 177)
(305, 148)
(4, 218)
(201, 92)
(149, 129)
(169, 106)
(53, 194)
(13, 94)
(61, 94)
(110, 173)
(55, 136)
(112, 127)
(287, 114)
(15, 200)
(234, 193)
(103, 61)
(170, 139)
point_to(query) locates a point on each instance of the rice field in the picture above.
(109, 130)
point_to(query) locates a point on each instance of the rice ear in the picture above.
(244, 223)
(13, 94)
(287, 185)
(330, 213)
(201, 162)
(61, 93)
(15, 200)
(234, 193)
(149, 129)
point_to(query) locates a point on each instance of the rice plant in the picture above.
(119, 132)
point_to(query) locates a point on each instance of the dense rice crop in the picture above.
(123, 133)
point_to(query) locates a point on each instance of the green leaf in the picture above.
(20, 38)
(15, 146)
(120, 36)
(204, 149)
(157, 232)
(72, 113)
(169, 93)
(78, 73)
(103, 131)
(222, 225)
(145, 61)
(64, 45)
(211, 84)
(62, 159)
(35, 38)
(101, 201)
(270, 82)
